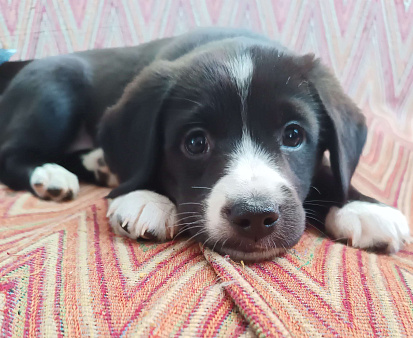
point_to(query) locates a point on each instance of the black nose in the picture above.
(253, 221)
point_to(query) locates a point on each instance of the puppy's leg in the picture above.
(144, 214)
(40, 114)
(47, 181)
(94, 162)
(361, 221)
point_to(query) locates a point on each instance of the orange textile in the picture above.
(64, 273)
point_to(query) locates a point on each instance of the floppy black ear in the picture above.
(129, 130)
(346, 128)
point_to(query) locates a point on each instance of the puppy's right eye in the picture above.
(196, 143)
(293, 136)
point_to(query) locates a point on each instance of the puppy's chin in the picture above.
(239, 246)
(254, 256)
(267, 248)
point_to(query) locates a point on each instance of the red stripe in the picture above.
(59, 287)
(301, 300)
(245, 302)
(372, 319)
(211, 316)
(155, 289)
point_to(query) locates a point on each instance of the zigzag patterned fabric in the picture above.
(64, 273)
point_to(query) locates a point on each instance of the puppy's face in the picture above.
(232, 133)
(240, 135)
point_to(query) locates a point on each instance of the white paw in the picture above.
(369, 225)
(95, 162)
(51, 181)
(143, 214)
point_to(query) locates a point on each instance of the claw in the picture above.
(125, 225)
(144, 229)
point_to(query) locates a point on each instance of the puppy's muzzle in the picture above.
(252, 221)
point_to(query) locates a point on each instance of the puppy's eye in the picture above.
(196, 143)
(293, 136)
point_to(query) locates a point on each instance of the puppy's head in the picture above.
(233, 134)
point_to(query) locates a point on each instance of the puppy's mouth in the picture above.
(250, 250)
(253, 256)
(241, 244)
(258, 230)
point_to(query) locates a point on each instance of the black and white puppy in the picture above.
(219, 132)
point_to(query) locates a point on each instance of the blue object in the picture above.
(6, 54)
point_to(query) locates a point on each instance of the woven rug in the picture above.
(64, 273)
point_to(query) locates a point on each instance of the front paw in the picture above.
(369, 226)
(144, 214)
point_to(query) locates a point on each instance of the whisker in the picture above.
(317, 204)
(201, 188)
(186, 212)
(191, 226)
(331, 239)
(223, 243)
(321, 201)
(198, 233)
(315, 189)
(310, 212)
(315, 219)
(190, 203)
(318, 229)
(289, 251)
(187, 229)
(186, 99)
(209, 238)
(213, 248)
(185, 225)
(186, 217)
(190, 223)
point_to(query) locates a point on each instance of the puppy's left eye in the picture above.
(196, 143)
(293, 136)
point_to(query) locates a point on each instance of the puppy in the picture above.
(221, 133)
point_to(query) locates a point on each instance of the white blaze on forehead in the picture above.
(251, 173)
(253, 168)
(240, 69)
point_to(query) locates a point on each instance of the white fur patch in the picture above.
(90, 160)
(251, 173)
(142, 213)
(94, 161)
(51, 181)
(368, 225)
(241, 70)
